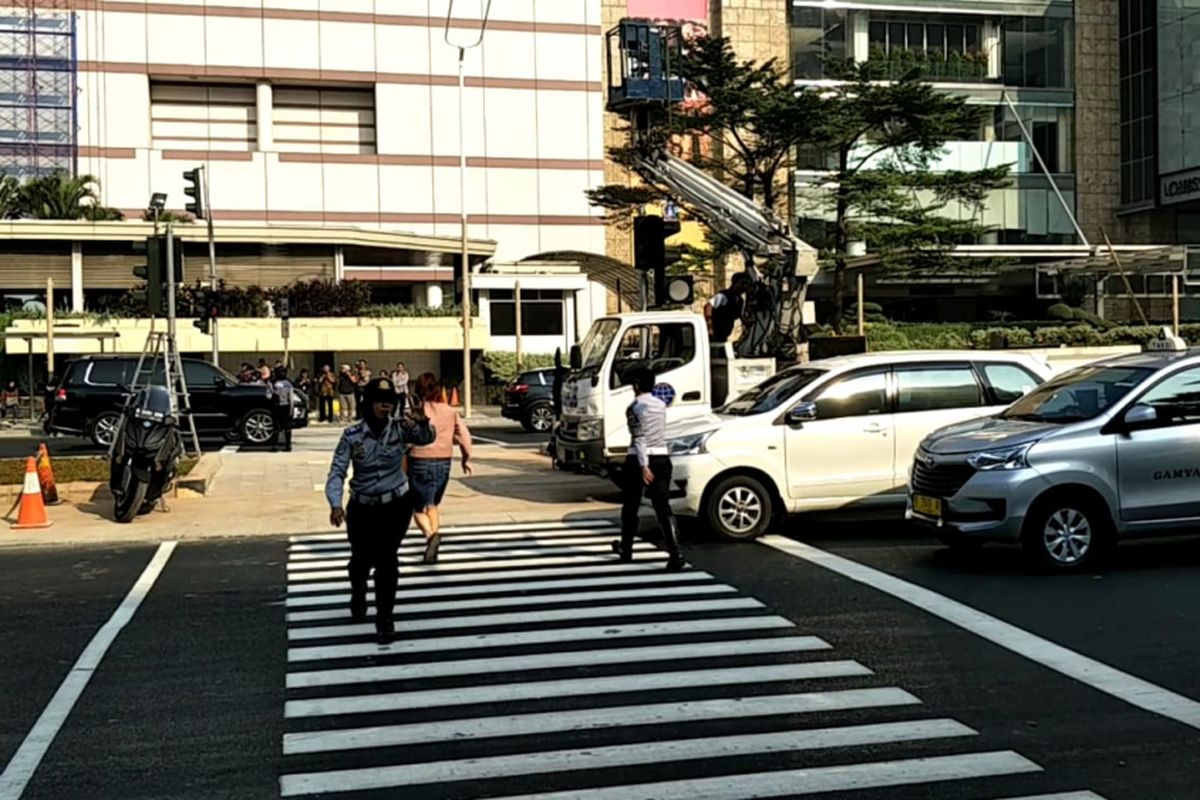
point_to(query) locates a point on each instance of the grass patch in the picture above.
(70, 470)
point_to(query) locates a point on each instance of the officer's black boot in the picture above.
(623, 550)
(358, 604)
(670, 529)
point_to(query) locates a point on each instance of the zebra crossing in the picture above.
(530, 663)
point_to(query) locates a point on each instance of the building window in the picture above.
(1139, 102)
(1051, 130)
(202, 116)
(1037, 52)
(541, 312)
(311, 120)
(948, 49)
(818, 36)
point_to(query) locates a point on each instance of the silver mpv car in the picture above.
(1102, 452)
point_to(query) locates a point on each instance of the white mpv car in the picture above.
(833, 434)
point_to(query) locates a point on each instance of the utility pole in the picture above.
(212, 269)
(171, 285)
(462, 193)
(49, 329)
(517, 308)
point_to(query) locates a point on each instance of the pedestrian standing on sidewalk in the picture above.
(12, 401)
(347, 388)
(400, 378)
(326, 389)
(647, 470)
(380, 508)
(429, 465)
(284, 400)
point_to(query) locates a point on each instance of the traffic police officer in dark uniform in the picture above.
(379, 511)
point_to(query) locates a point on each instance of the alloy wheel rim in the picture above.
(1067, 536)
(740, 509)
(106, 428)
(259, 428)
(541, 419)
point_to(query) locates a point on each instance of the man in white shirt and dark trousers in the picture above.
(647, 469)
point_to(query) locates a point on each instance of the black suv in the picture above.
(89, 398)
(530, 400)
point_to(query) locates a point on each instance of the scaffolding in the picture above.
(38, 76)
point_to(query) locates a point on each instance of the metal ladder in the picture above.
(161, 345)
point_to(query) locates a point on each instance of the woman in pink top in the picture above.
(429, 466)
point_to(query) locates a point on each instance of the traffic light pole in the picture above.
(212, 269)
(170, 270)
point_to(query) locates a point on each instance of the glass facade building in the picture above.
(1024, 56)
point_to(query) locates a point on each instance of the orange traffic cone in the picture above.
(46, 476)
(442, 396)
(33, 510)
(454, 396)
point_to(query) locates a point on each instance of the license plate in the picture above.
(928, 506)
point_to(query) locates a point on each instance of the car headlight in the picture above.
(590, 428)
(689, 445)
(1006, 458)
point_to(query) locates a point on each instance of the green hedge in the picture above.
(952, 336)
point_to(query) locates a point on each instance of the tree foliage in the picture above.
(55, 195)
(747, 124)
(880, 141)
(872, 138)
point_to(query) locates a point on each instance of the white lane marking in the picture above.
(1088, 671)
(325, 561)
(318, 487)
(229, 448)
(559, 660)
(815, 780)
(624, 610)
(566, 598)
(499, 527)
(413, 539)
(336, 581)
(583, 560)
(588, 719)
(407, 594)
(569, 687)
(551, 636)
(25, 761)
(460, 544)
(614, 612)
(622, 755)
(1060, 796)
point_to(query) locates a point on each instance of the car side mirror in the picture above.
(576, 357)
(1140, 416)
(799, 414)
(123, 388)
(218, 382)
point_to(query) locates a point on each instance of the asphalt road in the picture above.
(563, 672)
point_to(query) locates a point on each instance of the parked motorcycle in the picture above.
(145, 453)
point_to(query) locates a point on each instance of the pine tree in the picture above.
(750, 118)
(879, 141)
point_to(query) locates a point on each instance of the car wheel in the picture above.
(104, 428)
(739, 508)
(538, 418)
(1065, 533)
(258, 427)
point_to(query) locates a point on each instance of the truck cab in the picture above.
(693, 377)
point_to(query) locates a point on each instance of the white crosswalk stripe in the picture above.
(571, 665)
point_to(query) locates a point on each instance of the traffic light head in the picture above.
(194, 188)
(649, 233)
(152, 274)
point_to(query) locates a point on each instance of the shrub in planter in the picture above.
(500, 367)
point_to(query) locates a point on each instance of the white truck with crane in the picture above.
(693, 376)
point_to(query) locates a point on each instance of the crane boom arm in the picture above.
(730, 214)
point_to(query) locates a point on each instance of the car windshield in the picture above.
(595, 345)
(771, 393)
(1081, 394)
